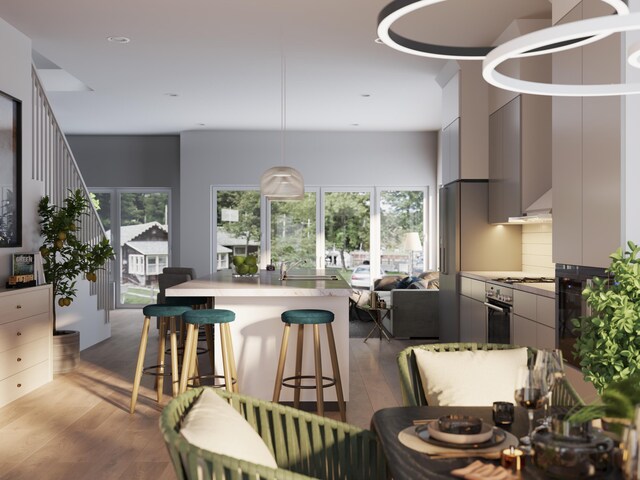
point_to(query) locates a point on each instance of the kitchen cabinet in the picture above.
(533, 320)
(25, 341)
(473, 325)
(451, 152)
(586, 151)
(504, 163)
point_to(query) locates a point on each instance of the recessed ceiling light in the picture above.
(355, 124)
(118, 39)
(171, 94)
(202, 124)
(365, 95)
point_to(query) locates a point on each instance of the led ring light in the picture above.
(535, 40)
(399, 8)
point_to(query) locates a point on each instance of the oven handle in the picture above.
(493, 307)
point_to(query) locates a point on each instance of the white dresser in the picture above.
(26, 333)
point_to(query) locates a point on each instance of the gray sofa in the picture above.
(414, 310)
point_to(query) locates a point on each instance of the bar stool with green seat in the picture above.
(162, 312)
(316, 318)
(209, 317)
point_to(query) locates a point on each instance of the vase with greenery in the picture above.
(65, 256)
(608, 345)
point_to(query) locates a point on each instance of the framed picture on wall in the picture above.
(10, 172)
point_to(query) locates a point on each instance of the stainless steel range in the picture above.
(499, 306)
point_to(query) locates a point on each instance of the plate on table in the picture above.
(484, 435)
(497, 437)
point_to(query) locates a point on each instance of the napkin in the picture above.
(483, 471)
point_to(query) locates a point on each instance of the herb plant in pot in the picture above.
(66, 258)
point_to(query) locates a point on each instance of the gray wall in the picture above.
(324, 158)
(133, 161)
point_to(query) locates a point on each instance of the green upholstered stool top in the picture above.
(209, 316)
(307, 316)
(162, 310)
(186, 301)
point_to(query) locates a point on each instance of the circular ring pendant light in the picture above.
(399, 8)
(566, 32)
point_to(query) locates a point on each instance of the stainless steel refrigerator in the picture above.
(467, 242)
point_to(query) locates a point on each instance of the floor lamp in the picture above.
(412, 244)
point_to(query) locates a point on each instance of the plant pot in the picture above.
(66, 351)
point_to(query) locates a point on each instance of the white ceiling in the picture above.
(223, 59)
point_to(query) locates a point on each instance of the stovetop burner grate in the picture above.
(512, 280)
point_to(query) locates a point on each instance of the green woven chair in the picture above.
(304, 445)
(411, 384)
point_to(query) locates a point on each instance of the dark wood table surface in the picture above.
(407, 464)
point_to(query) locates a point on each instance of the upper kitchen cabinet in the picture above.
(463, 138)
(586, 151)
(519, 135)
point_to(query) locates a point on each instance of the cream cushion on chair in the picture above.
(214, 425)
(469, 378)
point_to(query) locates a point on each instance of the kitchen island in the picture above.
(258, 302)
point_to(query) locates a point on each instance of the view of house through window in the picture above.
(238, 225)
(293, 232)
(144, 245)
(402, 231)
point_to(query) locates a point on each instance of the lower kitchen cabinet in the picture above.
(473, 324)
(533, 320)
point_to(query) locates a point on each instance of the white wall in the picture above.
(15, 80)
(323, 158)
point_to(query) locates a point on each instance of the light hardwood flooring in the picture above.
(79, 426)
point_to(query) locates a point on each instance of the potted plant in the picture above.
(609, 340)
(65, 258)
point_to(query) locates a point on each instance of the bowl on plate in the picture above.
(460, 424)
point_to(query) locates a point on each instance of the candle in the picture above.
(512, 458)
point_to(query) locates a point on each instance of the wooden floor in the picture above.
(79, 426)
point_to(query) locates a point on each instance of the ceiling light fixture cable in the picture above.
(282, 183)
(397, 9)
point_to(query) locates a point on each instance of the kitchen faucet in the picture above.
(284, 268)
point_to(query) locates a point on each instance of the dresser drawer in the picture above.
(23, 357)
(23, 331)
(23, 382)
(14, 306)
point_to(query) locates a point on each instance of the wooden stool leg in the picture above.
(141, 352)
(318, 358)
(296, 391)
(162, 344)
(208, 330)
(162, 333)
(193, 365)
(336, 372)
(226, 368)
(186, 358)
(175, 375)
(283, 356)
(232, 357)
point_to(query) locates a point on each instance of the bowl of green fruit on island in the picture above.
(245, 265)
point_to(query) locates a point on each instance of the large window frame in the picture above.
(375, 194)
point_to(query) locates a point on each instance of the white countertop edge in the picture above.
(542, 289)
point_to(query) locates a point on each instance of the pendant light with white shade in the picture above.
(282, 182)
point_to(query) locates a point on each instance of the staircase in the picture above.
(54, 165)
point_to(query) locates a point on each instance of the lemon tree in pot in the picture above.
(609, 339)
(66, 258)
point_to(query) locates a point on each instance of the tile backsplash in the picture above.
(537, 249)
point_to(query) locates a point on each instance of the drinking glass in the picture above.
(550, 363)
(530, 393)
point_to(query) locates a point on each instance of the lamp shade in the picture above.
(282, 183)
(412, 242)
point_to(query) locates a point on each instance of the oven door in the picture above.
(499, 321)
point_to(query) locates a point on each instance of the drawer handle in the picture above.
(19, 385)
(18, 307)
(19, 359)
(19, 333)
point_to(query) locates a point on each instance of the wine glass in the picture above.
(530, 393)
(551, 365)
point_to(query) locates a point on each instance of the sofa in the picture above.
(413, 303)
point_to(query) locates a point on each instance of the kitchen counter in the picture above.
(543, 289)
(258, 303)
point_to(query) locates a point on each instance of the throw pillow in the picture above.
(386, 283)
(212, 424)
(469, 378)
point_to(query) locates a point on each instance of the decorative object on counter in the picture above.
(503, 413)
(66, 257)
(607, 341)
(245, 266)
(513, 458)
(21, 281)
(571, 452)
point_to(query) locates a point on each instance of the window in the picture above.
(293, 231)
(238, 221)
(136, 264)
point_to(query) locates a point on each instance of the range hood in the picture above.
(538, 212)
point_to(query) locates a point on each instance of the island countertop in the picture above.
(264, 284)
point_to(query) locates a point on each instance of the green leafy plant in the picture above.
(65, 256)
(609, 341)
